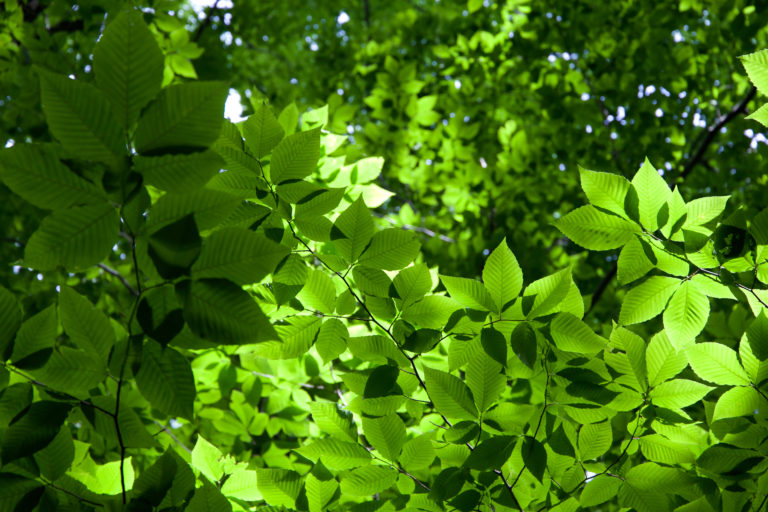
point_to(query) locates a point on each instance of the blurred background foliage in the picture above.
(482, 110)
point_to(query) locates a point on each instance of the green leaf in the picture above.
(295, 157)
(319, 203)
(647, 299)
(367, 169)
(757, 336)
(382, 382)
(756, 369)
(596, 230)
(179, 173)
(485, 379)
(153, 483)
(704, 210)
(652, 194)
(321, 487)
(208, 498)
(737, 402)
(491, 453)
(432, 312)
(534, 457)
(209, 206)
(544, 296)
(221, 311)
(686, 314)
(261, 131)
(372, 281)
(650, 476)
(678, 393)
(159, 314)
(663, 361)
(599, 490)
(633, 262)
(391, 249)
(36, 174)
(353, 230)
(280, 487)
(726, 459)
(33, 430)
(175, 247)
(502, 276)
(87, 327)
(449, 394)
(331, 339)
(595, 439)
(418, 453)
(14, 490)
(319, 292)
(368, 480)
(72, 371)
(756, 65)
(677, 213)
(80, 116)
(207, 459)
(412, 283)
(241, 484)
(75, 238)
(128, 65)
(10, 318)
(386, 434)
(333, 421)
(605, 190)
(572, 335)
(716, 363)
(165, 379)
(469, 293)
(238, 254)
(183, 117)
(36, 338)
(55, 459)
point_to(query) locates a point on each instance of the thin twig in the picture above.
(70, 493)
(172, 435)
(120, 277)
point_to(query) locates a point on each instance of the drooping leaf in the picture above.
(737, 401)
(535, 457)
(355, 230)
(605, 190)
(165, 379)
(573, 335)
(485, 380)
(221, 311)
(595, 230)
(74, 238)
(391, 249)
(502, 276)
(33, 430)
(647, 299)
(178, 173)
(412, 283)
(128, 65)
(295, 157)
(36, 174)
(491, 453)
(652, 194)
(686, 314)
(678, 393)
(35, 339)
(240, 255)
(10, 318)
(368, 480)
(716, 363)
(595, 439)
(261, 131)
(86, 326)
(469, 293)
(449, 394)
(80, 116)
(386, 434)
(183, 116)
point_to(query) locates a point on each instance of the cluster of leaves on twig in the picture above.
(272, 347)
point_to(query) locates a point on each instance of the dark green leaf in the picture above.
(165, 379)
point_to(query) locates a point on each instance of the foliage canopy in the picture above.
(203, 315)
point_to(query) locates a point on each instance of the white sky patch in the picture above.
(233, 110)
(457, 84)
(342, 18)
(200, 5)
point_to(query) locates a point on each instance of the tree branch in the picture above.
(120, 277)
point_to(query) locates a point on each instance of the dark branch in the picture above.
(713, 130)
(206, 22)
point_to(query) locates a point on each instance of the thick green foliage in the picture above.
(264, 342)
